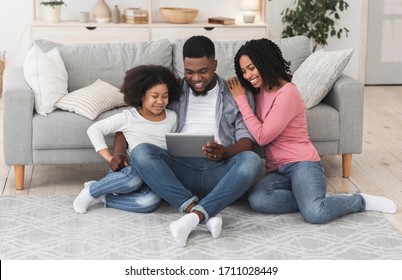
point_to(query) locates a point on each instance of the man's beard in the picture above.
(205, 91)
(199, 93)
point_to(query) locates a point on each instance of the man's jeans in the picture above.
(301, 186)
(183, 180)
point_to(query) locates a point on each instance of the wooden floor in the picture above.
(377, 170)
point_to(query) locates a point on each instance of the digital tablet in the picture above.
(187, 145)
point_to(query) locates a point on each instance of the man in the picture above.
(202, 187)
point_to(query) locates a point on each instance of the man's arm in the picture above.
(244, 144)
(120, 158)
(217, 152)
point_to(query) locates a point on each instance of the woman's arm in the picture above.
(279, 115)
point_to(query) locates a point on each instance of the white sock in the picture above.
(85, 199)
(214, 225)
(102, 198)
(182, 228)
(378, 203)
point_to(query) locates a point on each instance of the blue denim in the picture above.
(301, 186)
(143, 200)
(119, 182)
(182, 180)
(125, 190)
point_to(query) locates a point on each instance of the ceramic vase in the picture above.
(52, 13)
(102, 12)
(116, 14)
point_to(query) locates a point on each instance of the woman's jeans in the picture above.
(301, 186)
(183, 180)
(125, 190)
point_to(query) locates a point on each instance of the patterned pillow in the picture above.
(318, 73)
(92, 100)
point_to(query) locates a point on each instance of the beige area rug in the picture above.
(47, 228)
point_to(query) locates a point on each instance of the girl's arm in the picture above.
(98, 130)
(106, 154)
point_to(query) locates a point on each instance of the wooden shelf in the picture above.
(156, 28)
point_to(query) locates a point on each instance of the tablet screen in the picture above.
(187, 145)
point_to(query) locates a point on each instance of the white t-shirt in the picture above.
(200, 118)
(135, 128)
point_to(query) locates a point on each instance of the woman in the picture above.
(295, 179)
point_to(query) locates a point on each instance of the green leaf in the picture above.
(316, 19)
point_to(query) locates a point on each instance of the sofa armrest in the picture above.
(346, 96)
(18, 109)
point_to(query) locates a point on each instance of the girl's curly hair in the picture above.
(141, 78)
(267, 58)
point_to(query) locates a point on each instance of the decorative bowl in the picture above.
(178, 15)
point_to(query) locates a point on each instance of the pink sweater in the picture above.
(280, 125)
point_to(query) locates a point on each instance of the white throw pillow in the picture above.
(92, 100)
(46, 74)
(318, 73)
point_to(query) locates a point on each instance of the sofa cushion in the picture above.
(318, 73)
(107, 61)
(295, 49)
(68, 130)
(92, 100)
(46, 74)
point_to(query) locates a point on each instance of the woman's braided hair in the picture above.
(267, 58)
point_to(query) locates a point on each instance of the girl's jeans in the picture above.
(125, 190)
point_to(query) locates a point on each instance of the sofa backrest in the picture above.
(295, 49)
(107, 61)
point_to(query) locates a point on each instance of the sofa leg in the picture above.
(346, 164)
(19, 176)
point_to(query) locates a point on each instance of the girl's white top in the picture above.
(135, 128)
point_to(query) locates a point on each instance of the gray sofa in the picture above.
(335, 125)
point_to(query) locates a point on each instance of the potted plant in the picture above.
(315, 19)
(52, 10)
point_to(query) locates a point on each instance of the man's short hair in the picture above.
(198, 46)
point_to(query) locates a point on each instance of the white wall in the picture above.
(16, 16)
(351, 19)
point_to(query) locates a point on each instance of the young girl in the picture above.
(295, 179)
(148, 89)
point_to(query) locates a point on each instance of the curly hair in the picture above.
(198, 46)
(141, 78)
(267, 58)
